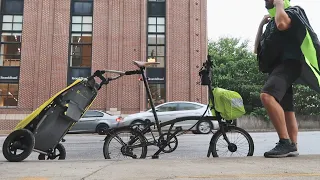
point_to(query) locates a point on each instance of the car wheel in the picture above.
(138, 123)
(204, 127)
(102, 129)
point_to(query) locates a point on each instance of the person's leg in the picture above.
(276, 114)
(290, 118)
(292, 126)
(272, 94)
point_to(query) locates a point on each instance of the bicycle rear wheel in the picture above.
(241, 143)
(128, 143)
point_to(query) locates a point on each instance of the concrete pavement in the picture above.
(294, 168)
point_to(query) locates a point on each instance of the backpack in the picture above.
(271, 48)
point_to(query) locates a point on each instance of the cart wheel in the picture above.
(42, 157)
(59, 151)
(21, 139)
(62, 152)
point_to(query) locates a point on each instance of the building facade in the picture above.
(47, 44)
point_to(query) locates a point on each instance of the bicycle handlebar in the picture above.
(205, 72)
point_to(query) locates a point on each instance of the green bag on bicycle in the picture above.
(228, 103)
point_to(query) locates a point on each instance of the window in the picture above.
(11, 30)
(156, 40)
(188, 106)
(80, 54)
(157, 94)
(89, 114)
(8, 94)
(156, 8)
(156, 49)
(82, 7)
(81, 41)
(12, 7)
(168, 107)
(10, 51)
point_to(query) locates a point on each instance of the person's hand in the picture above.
(265, 20)
(278, 2)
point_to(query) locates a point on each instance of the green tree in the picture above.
(236, 68)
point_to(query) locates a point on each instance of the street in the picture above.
(191, 146)
(85, 161)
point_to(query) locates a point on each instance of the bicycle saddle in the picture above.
(144, 64)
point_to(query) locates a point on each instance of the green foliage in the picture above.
(236, 68)
(306, 100)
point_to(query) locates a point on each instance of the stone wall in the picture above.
(254, 123)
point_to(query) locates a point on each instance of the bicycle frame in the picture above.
(205, 74)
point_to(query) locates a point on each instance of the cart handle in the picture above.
(106, 80)
(100, 73)
(120, 74)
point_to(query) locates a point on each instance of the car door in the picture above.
(167, 112)
(188, 109)
(88, 121)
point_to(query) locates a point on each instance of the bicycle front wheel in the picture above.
(125, 143)
(241, 143)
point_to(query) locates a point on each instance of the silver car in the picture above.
(171, 110)
(94, 121)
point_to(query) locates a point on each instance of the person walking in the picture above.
(288, 50)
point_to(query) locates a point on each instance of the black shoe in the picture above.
(284, 148)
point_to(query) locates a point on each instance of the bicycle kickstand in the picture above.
(156, 155)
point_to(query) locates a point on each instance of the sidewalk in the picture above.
(302, 167)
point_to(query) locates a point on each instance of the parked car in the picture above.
(171, 110)
(94, 121)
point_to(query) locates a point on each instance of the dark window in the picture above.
(82, 8)
(8, 94)
(12, 7)
(156, 8)
(80, 54)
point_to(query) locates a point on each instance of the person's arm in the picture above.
(282, 19)
(258, 38)
(264, 21)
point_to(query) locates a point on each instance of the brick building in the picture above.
(46, 44)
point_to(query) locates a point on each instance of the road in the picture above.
(89, 146)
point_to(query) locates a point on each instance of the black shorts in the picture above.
(280, 81)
